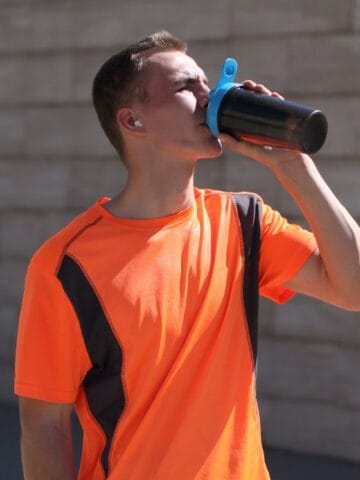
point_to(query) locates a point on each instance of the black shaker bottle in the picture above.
(263, 119)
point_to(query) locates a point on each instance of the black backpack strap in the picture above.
(248, 208)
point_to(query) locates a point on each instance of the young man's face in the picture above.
(175, 112)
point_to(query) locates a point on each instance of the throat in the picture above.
(152, 199)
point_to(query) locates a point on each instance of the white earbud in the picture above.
(138, 123)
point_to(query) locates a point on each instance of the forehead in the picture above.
(171, 65)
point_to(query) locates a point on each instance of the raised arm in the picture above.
(46, 443)
(332, 273)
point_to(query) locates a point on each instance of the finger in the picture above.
(250, 84)
(228, 140)
(225, 136)
(260, 88)
(263, 154)
(256, 87)
(277, 95)
(239, 145)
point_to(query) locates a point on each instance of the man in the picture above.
(134, 312)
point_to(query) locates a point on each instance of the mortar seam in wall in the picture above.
(306, 401)
(72, 157)
(86, 104)
(308, 341)
(191, 42)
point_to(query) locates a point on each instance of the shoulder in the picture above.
(48, 256)
(209, 193)
(240, 199)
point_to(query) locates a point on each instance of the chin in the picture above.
(212, 151)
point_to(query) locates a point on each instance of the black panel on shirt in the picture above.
(102, 384)
(249, 212)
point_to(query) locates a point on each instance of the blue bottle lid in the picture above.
(226, 81)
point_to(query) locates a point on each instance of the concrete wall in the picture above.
(55, 161)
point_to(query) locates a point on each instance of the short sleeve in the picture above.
(284, 249)
(51, 357)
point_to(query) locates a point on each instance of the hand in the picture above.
(259, 88)
(271, 157)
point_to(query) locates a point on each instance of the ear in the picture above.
(129, 121)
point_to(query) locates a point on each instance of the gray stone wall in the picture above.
(55, 161)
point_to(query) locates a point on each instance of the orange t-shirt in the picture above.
(141, 324)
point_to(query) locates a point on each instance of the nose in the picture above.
(203, 96)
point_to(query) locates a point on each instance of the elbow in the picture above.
(353, 306)
(347, 293)
(350, 300)
(345, 296)
(345, 304)
(354, 298)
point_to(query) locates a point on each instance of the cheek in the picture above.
(186, 100)
(183, 103)
(171, 117)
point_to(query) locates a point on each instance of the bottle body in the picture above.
(268, 120)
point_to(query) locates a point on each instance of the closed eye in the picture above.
(184, 88)
(191, 83)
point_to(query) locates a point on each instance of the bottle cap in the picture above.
(226, 81)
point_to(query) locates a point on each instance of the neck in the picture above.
(158, 190)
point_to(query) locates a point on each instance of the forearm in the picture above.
(334, 276)
(47, 454)
(336, 232)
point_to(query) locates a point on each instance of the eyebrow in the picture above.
(190, 79)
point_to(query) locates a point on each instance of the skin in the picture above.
(161, 156)
(46, 444)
